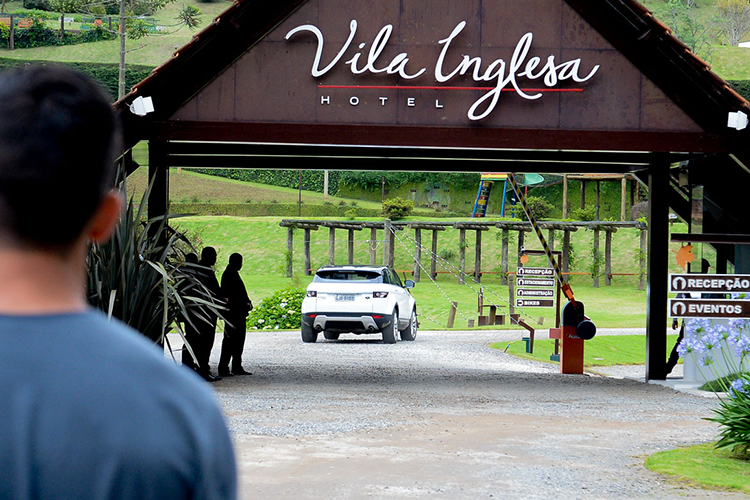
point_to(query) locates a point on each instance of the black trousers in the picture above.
(201, 340)
(233, 343)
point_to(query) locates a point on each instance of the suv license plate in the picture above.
(344, 298)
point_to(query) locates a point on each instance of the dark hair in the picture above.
(57, 141)
(208, 256)
(235, 262)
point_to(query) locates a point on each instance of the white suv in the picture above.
(358, 299)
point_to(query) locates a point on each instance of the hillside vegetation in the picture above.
(731, 63)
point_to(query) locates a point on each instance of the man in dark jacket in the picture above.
(206, 324)
(239, 305)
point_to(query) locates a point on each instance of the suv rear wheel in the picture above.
(389, 332)
(308, 334)
(410, 332)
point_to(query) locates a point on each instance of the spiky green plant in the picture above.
(140, 276)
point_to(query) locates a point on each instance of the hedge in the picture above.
(742, 87)
(290, 210)
(312, 180)
(106, 74)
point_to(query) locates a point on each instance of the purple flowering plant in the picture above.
(725, 350)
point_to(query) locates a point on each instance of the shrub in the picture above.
(588, 213)
(397, 208)
(36, 4)
(280, 311)
(540, 207)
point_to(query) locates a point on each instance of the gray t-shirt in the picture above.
(91, 409)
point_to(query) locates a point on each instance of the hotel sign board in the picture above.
(709, 308)
(709, 283)
(530, 65)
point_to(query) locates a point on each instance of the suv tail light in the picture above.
(379, 295)
(312, 293)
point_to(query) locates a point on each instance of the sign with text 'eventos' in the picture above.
(529, 77)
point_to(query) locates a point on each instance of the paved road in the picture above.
(446, 417)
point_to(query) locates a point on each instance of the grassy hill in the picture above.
(731, 63)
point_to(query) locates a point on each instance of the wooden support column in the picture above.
(504, 262)
(12, 34)
(598, 200)
(461, 256)
(350, 247)
(658, 272)
(551, 239)
(387, 246)
(417, 254)
(608, 257)
(433, 256)
(623, 199)
(332, 246)
(597, 258)
(642, 260)
(308, 264)
(373, 245)
(566, 251)
(583, 194)
(392, 249)
(158, 173)
(289, 251)
(478, 256)
(565, 197)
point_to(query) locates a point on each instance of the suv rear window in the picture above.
(347, 275)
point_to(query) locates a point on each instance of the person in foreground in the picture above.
(90, 408)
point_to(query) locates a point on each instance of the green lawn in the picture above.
(703, 466)
(603, 350)
(263, 244)
(149, 51)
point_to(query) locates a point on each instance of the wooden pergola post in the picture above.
(433, 256)
(566, 250)
(478, 256)
(595, 256)
(608, 256)
(373, 245)
(289, 250)
(461, 256)
(551, 238)
(308, 264)
(350, 247)
(332, 246)
(583, 194)
(642, 260)
(417, 254)
(565, 197)
(623, 198)
(387, 237)
(504, 257)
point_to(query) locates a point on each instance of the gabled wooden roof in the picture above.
(627, 25)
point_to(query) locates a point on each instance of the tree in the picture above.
(692, 30)
(131, 23)
(735, 16)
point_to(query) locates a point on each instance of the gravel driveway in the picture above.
(446, 417)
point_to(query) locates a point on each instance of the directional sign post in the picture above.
(535, 271)
(709, 308)
(535, 292)
(547, 282)
(535, 302)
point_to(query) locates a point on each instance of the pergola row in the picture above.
(521, 228)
